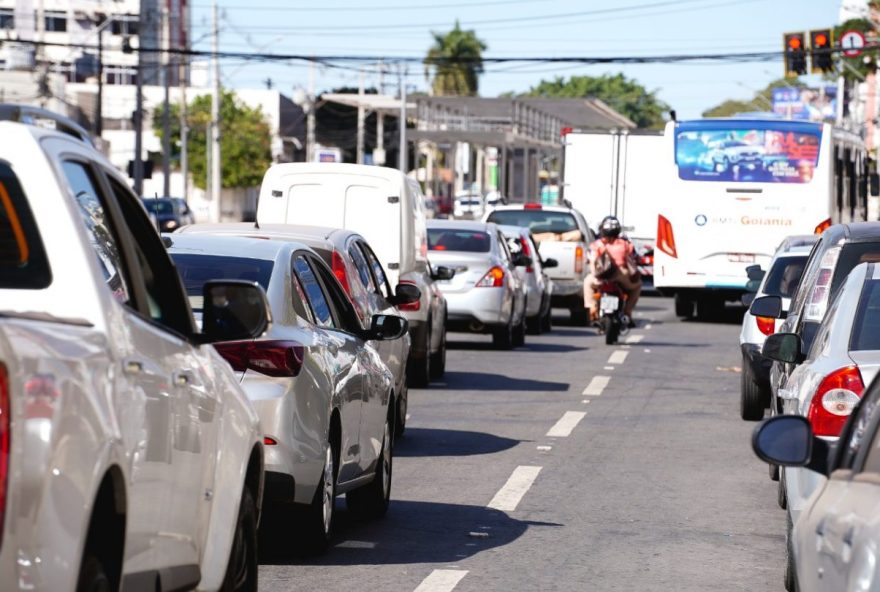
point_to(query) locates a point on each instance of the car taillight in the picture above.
(272, 358)
(822, 226)
(817, 302)
(494, 278)
(578, 259)
(5, 433)
(834, 401)
(340, 273)
(526, 252)
(665, 237)
(766, 325)
(412, 306)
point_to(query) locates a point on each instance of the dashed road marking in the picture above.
(441, 580)
(596, 386)
(509, 496)
(564, 427)
(618, 357)
(609, 367)
(632, 339)
(545, 448)
(585, 401)
(648, 326)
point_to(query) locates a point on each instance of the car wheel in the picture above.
(242, 569)
(92, 575)
(438, 359)
(684, 306)
(611, 330)
(502, 337)
(547, 320)
(781, 498)
(580, 316)
(371, 500)
(774, 472)
(316, 520)
(419, 370)
(790, 581)
(751, 398)
(400, 414)
(519, 332)
(710, 308)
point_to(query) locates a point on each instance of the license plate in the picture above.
(741, 257)
(609, 303)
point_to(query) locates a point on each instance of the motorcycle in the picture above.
(612, 320)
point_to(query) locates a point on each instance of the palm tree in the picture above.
(457, 60)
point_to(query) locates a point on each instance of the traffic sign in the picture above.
(852, 43)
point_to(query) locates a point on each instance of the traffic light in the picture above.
(821, 42)
(794, 45)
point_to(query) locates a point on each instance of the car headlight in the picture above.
(171, 224)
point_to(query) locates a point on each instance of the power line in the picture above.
(368, 8)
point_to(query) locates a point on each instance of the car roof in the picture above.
(853, 232)
(532, 207)
(461, 225)
(251, 229)
(230, 246)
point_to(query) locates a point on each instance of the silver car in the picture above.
(325, 399)
(539, 287)
(486, 294)
(357, 267)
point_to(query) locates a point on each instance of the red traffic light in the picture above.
(820, 40)
(795, 43)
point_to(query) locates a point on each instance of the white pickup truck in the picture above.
(562, 234)
(129, 456)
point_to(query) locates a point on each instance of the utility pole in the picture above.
(184, 127)
(361, 120)
(99, 99)
(137, 161)
(216, 168)
(402, 157)
(310, 115)
(166, 106)
(380, 122)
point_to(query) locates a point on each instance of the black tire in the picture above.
(418, 370)
(790, 576)
(781, 500)
(314, 523)
(92, 575)
(502, 337)
(372, 499)
(710, 308)
(402, 403)
(752, 399)
(519, 332)
(242, 570)
(612, 330)
(580, 316)
(684, 306)
(774, 472)
(547, 320)
(438, 360)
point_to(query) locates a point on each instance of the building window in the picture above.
(7, 18)
(56, 22)
(124, 25)
(120, 75)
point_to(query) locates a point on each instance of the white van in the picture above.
(386, 208)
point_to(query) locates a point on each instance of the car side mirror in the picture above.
(405, 294)
(550, 263)
(747, 298)
(442, 272)
(520, 260)
(233, 310)
(755, 273)
(767, 306)
(788, 440)
(783, 347)
(387, 327)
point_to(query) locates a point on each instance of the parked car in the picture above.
(386, 208)
(129, 455)
(833, 544)
(486, 294)
(326, 400)
(563, 234)
(781, 280)
(362, 277)
(539, 288)
(168, 213)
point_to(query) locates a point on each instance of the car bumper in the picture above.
(567, 287)
(477, 308)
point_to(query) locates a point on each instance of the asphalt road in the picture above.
(569, 465)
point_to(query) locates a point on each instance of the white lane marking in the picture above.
(509, 496)
(545, 448)
(609, 367)
(585, 401)
(597, 385)
(441, 580)
(634, 338)
(647, 351)
(648, 326)
(618, 357)
(356, 545)
(566, 424)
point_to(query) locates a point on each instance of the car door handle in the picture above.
(181, 378)
(133, 367)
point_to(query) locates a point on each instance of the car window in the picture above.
(538, 221)
(459, 240)
(808, 277)
(196, 269)
(314, 294)
(851, 255)
(23, 261)
(784, 276)
(344, 315)
(378, 271)
(823, 333)
(362, 267)
(98, 227)
(504, 248)
(866, 325)
(299, 300)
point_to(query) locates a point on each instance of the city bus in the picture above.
(734, 188)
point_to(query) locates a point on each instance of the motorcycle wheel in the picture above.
(612, 330)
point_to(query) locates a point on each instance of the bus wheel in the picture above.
(684, 306)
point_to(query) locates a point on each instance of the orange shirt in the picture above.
(619, 249)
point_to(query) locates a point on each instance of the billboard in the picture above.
(810, 104)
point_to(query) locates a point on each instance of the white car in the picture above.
(129, 455)
(539, 287)
(780, 279)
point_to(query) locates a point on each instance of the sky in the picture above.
(539, 28)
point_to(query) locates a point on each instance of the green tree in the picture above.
(245, 140)
(457, 59)
(626, 96)
(761, 101)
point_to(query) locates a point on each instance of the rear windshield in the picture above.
(159, 206)
(851, 255)
(866, 327)
(538, 221)
(784, 276)
(23, 262)
(195, 270)
(450, 239)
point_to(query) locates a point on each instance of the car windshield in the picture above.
(195, 270)
(159, 206)
(537, 221)
(783, 278)
(866, 327)
(451, 239)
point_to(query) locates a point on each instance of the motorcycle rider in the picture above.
(626, 274)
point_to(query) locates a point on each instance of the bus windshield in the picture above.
(748, 151)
